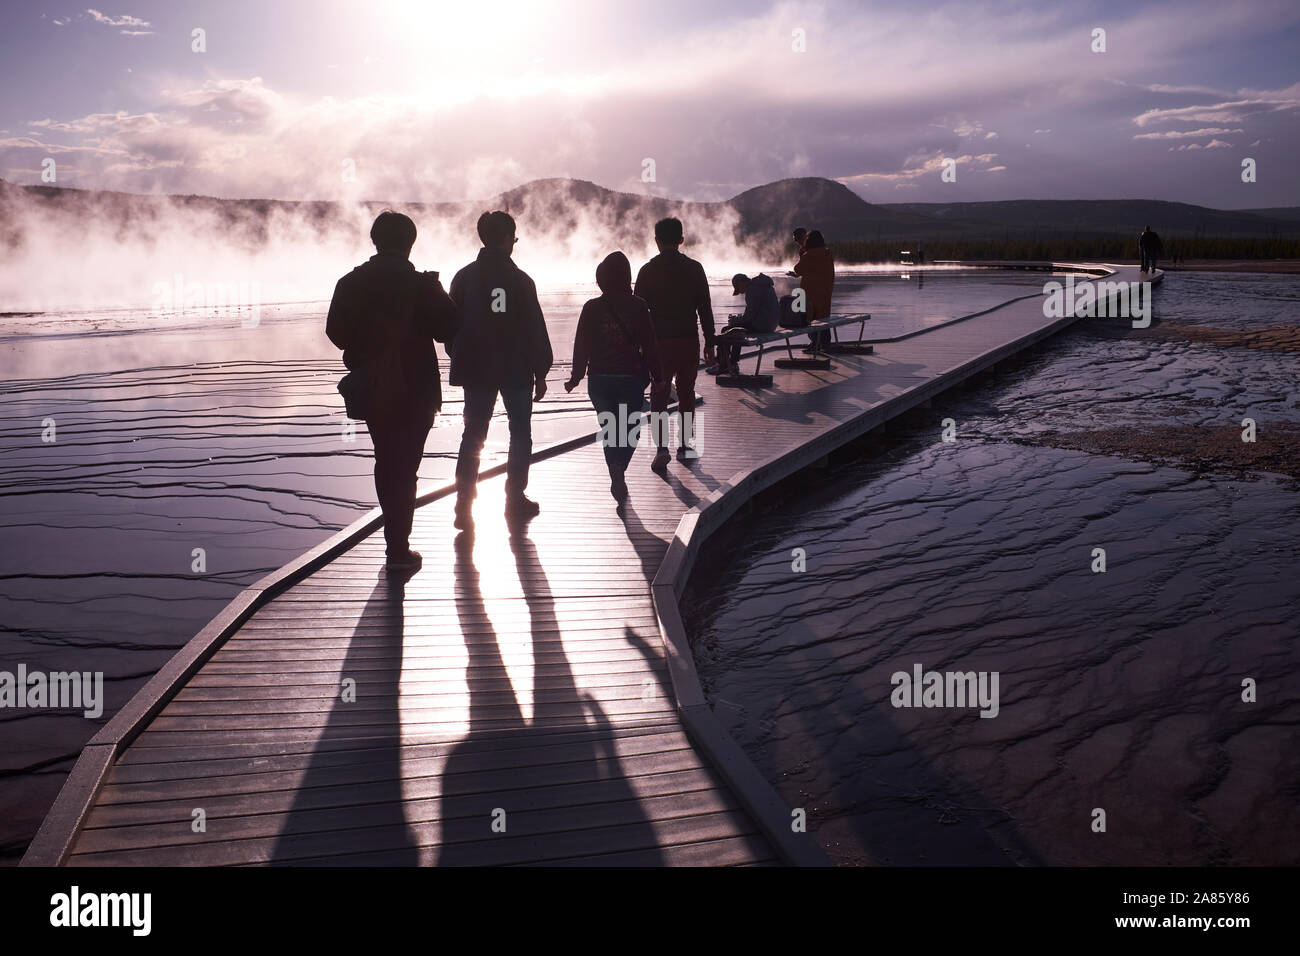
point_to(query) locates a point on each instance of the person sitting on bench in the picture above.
(762, 311)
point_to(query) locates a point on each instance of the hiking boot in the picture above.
(464, 514)
(618, 487)
(661, 460)
(517, 506)
(687, 453)
(407, 563)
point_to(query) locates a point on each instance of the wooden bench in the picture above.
(764, 341)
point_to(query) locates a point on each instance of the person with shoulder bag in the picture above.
(615, 345)
(386, 316)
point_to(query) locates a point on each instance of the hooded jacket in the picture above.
(762, 310)
(502, 341)
(615, 335)
(384, 311)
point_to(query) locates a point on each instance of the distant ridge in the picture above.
(766, 213)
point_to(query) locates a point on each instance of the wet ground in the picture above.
(1120, 690)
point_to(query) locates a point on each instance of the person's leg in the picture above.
(399, 447)
(383, 438)
(631, 396)
(688, 360)
(408, 452)
(477, 415)
(603, 392)
(659, 396)
(518, 400)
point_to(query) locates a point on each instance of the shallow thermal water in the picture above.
(176, 432)
(1118, 691)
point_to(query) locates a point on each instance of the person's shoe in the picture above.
(661, 460)
(407, 563)
(687, 453)
(618, 487)
(714, 369)
(517, 506)
(464, 514)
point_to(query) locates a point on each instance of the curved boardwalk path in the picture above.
(525, 698)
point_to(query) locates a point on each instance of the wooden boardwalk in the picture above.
(525, 698)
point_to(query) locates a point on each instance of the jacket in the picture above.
(676, 290)
(383, 310)
(615, 334)
(502, 340)
(816, 272)
(762, 311)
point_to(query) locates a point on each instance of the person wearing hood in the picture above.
(762, 312)
(616, 348)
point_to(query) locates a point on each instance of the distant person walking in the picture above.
(1151, 248)
(385, 317)
(762, 314)
(503, 349)
(615, 344)
(816, 272)
(676, 290)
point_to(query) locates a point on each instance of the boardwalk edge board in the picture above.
(62, 825)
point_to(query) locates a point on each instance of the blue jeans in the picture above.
(480, 401)
(621, 396)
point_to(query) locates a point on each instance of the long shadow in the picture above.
(358, 785)
(516, 792)
(650, 548)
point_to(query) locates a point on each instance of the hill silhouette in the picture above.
(759, 218)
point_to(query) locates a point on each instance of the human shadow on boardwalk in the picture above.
(350, 798)
(545, 790)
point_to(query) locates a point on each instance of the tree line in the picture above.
(1185, 247)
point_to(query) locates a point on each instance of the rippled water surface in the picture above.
(1119, 691)
(176, 432)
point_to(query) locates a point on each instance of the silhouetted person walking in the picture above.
(385, 317)
(502, 348)
(1151, 248)
(676, 290)
(615, 342)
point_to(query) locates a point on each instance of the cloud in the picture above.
(1186, 134)
(717, 99)
(1213, 144)
(126, 20)
(1228, 111)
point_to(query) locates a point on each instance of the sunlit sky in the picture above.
(404, 101)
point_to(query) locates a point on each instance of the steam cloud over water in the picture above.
(75, 250)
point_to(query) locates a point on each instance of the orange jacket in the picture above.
(816, 272)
